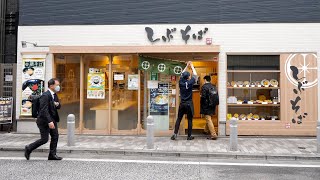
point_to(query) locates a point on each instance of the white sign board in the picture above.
(9, 78)
(153, 84)
(118, 77)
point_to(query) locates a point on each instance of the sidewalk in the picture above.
(249, 147)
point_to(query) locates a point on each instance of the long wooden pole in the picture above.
(139, 103)
(145, 94)
(81, 93)
(110, 94)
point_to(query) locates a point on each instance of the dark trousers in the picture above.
(185, 108)
(44, 132)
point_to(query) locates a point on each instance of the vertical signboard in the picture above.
(299, 97)
(6, 107)
(33, 77)
(159, 106)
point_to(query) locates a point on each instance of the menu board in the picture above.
(96, 86)
(33, 76)
(159, 100)
(6, 106)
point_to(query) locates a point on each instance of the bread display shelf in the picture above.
(253, 87)
(246, 105)
(253, 71)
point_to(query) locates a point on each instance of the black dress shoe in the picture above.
(55, 157)
(174, 137)
(27, 152)
(190, 138)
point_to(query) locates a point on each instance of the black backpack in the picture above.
(35, 100)
(213, 96)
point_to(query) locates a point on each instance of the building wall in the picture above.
(103, 12)
(11, 39)
(232, 38)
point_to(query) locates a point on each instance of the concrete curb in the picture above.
(156, 153)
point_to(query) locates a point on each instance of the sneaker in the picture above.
(205, 133)
(190, 138)
(213, 137)
(174, 137)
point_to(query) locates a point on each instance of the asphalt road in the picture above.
(91, 166)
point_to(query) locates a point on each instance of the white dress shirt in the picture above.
(52, 94)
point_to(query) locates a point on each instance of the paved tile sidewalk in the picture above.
(247, 145)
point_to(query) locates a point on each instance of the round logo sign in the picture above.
(306, 69)
(177, 70)
(145, 65)
(161, 67)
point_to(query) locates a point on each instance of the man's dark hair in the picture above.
(185, 75)
(52, 82)
(207, 78)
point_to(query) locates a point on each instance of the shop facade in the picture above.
(112, 80)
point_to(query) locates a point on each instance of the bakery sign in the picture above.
(301, 72)
(185, 34)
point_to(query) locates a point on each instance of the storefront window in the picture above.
(68, 72)
(253, 87)
(118, 113)
(96, 93)
(125, 93)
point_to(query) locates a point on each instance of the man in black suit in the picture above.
(47, 120)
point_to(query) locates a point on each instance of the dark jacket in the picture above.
(204, 101)
(186, 88)
(48, 111)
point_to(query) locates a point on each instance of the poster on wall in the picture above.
(96, 86)
(159, 100)
(6, 106)
(33, 76)
(133, 82)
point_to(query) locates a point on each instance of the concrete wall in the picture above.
(11, 39)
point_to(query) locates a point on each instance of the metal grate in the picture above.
(8, 88)
(7, 80)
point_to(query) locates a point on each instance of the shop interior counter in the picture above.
(102, 113)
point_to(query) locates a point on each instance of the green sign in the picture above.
(160, 66)
(154, 76)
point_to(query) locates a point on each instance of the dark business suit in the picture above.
(47, 113)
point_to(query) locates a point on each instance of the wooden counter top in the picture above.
(120, 107)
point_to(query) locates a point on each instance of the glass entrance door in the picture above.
(160, 101)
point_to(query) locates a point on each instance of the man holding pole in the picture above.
(186, 105)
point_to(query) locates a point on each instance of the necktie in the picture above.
(55, 97)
